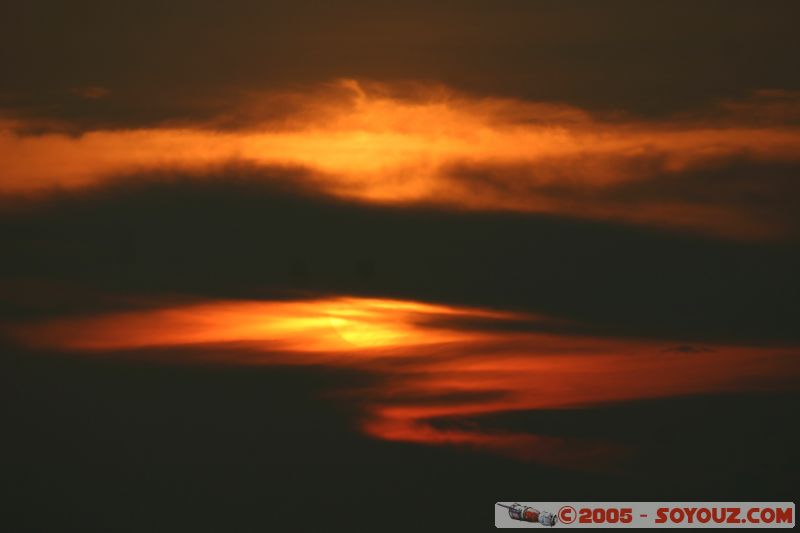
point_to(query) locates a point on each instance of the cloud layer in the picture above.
(722, 173)
(244, 232)
(431, 370)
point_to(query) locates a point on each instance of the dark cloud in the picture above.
(688, 348)
(441, 399)
(767, 188)
(236, 234)
(187, 60)
(218, 447)
(671, 438)
(99, 444)
(760, 193)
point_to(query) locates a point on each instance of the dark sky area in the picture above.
(608, 190)
(170, 60)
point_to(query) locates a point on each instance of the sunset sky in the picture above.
(265, 262)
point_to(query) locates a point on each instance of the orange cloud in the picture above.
(379, 144)
(431, 367)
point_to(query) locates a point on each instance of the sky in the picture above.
(269, 263)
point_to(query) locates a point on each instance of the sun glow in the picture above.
(435, 362)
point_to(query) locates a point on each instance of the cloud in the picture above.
(736, 196)
(196, 57)
(253, 232)
(91, 92)
(401, 144)
(442, 374)
(688, 348)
